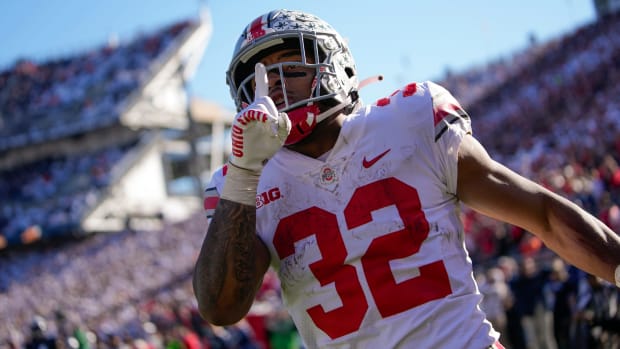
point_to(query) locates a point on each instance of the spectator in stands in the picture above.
(496, 297)
(39, 337)
(598, 314)
(527, 289)
(560, 292)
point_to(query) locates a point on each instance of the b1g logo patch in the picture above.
(328, 175)
(267, 197)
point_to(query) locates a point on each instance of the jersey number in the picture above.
(391, 297)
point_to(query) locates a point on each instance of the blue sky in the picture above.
(405, 40)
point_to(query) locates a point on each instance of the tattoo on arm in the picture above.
(244, 258)
(231, 240)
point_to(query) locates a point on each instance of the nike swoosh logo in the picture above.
(368, 163)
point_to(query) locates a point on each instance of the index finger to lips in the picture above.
(260, 79)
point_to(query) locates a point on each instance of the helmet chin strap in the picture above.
(309, 112)
(305, 119)
(352, 102)
(329, 112)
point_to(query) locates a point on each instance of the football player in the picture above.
(356, 207)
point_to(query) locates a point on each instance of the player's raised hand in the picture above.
(259, 130)
(261, 81)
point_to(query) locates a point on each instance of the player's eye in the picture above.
(295, 74)
(294, 71)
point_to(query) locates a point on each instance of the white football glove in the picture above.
(258, 131)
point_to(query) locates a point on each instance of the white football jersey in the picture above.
(367, 241)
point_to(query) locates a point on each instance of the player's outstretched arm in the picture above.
(574, 234)
(233, 259)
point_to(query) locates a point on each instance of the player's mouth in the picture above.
(278, 99)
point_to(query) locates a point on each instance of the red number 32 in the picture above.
(390, 296)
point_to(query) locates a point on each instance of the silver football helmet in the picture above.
(335, 86)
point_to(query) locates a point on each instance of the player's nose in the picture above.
(273, 78)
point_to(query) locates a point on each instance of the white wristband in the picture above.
(240, 185)
(618, 276)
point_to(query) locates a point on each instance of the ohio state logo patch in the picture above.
(328, 175)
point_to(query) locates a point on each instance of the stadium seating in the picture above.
(551, 112)
(61, 131)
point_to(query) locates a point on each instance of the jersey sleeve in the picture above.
(213, 190)
(451, 123)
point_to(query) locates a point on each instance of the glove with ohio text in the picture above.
(259, 130)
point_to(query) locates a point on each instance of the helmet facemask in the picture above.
(323, 53)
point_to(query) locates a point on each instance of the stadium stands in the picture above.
(65, 136)
(551, 113)
(55, 192)
(61, 98)
(558, 120)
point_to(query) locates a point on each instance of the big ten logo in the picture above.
(267, 197)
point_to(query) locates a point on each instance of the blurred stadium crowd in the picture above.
(66, 98)
(551, 112)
